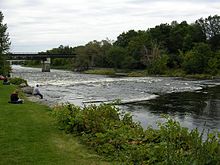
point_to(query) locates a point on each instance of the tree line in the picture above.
(192, 48)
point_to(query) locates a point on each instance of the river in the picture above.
(194, 103)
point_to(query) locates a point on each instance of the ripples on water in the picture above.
(183, 99)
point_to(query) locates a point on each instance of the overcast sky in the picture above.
(38, 25)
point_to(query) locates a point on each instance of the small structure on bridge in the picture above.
(46, 65)
(45, 58)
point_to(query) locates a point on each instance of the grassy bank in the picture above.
(137, 73)
(29, 135)
(144, 73)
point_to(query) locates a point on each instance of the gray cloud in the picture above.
(36, 25)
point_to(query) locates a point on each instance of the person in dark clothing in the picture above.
(15, 99)
(6, 82)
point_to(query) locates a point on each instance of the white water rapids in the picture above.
(60, 86)
(66, 86)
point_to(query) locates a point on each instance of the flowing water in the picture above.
(195, 103)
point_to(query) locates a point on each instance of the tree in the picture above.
(117, 56)
(157, 60)
(177, 35)
(93, 51)
(138, 48)
(105, 46)
(82, 61)
(211, 27)
(160, 34)
(214, 64)
(93, 54)
(4, 46)
(215, 42)
(60, 62)
(124, 38)
(198, 60)
(182, 38)
(158, 65)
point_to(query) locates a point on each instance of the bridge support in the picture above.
(46, 65)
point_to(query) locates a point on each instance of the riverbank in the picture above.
(136, 73)
(144, 73)
(29, 135)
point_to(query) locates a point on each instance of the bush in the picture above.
(175, 73)
(18, 81)
(196, 60)
(138, 74)
(101, 71)
(158, 65)
(92, 119)
(116, 136)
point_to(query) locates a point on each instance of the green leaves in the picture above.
(4, 36)
(210, 25)
(197, 60)
(116, 136)
(18, 81)
(116, 56)
(4, 47)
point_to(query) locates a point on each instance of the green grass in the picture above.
(101, 71)
(144, 73)
(29, 135)
(141, 73)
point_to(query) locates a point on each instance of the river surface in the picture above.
(194, 103)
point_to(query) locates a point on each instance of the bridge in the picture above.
(45, 58)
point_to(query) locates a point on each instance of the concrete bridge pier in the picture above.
(46, 65)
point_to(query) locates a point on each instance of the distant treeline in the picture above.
(191, 48)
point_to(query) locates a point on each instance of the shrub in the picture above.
(114, 134)
(196, 60)
(101, 71)
(158, 65)
(18, 81)
(175, 73)
(137, 74)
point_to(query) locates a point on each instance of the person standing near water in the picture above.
(36, 91)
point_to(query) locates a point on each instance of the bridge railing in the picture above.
(32, 56)
(24, 53)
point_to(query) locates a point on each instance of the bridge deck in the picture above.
(19, 56)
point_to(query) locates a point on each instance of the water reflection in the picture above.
(200, 109)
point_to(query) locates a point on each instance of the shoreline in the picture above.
(27, 90)
(138, 73)
(35, 99)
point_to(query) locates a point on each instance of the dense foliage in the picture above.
(4, 47)
(116, 136)
(18, 81)
(189, 48)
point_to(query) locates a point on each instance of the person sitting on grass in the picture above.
(15, 99)
(36, 91)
